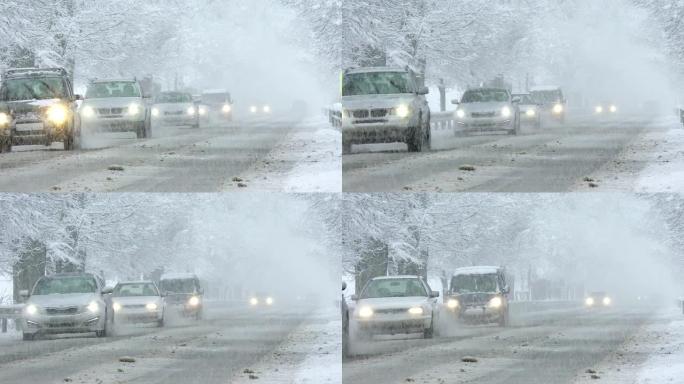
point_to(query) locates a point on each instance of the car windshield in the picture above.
(173, 97)
(113, 89)
(547, 96)
(408, 287)
(473, 283)
(526, 99)
(34, 88)
(375, 83)
(215, 98)
(65, 285)
(137, 289)
(178, 286)
(485, 96)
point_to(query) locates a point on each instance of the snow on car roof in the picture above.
(212, 91)
(396, 277)
(136, 282)
(176, 276)
(545, 88)
(376, 69)
(477, 270)
(113, 80)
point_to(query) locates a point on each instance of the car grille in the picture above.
(134, 306)
(360, 113)
(173, 113)
(62, 311)
(391, 311)
(483, 114)
(69, 324)
(379, 112)
(110, 111)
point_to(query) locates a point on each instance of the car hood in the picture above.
(375, 101)
(112, 102)
(527, 106)
(475, 298)
(173, 106)
(484, 107)
(58, 301)
(25, 106)
(133, 300)
(393, 302)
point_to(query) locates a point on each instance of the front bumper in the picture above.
(137, 315)
(176, 119)
(485, 124)
(392, 324)
(479, 313)
(35, 132)
(118, 124)
(53, 324)
(370, 131)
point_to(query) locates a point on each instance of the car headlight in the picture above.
(598, 109)
(253, 109)
(191, 111)
(226, 108)
(151, 306)
(253, 301)
(31, 309)
(365, 312)
(133, 109)
(403, 111)
(606, 301)
(88, 112)
(93, 307)
(267, 109)
(415, 311)
(460, 113)
(202, 111)
(116, 307)
(613, 109)
(495, 302)
(452, 303)
(558, 108)
(269, 300)
(194, 301)
(505, 112)
(4, 119)
(589, 301)
(57, 114)
(530, 112)
(155, 112)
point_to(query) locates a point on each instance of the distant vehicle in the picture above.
(598, 300)
(183, 292)
(39, 107)
(551, 100)
(65, 303)
(487, 110)
(479, 294)
(116, 106)
(394, 305)
(261, 299)
(605, 108)
(175, 108)
(345, 323)
(137, 302)
(260, 109)
(384, 105)
(529, 109)
(217, 105)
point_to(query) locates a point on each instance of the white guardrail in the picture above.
(9, 312)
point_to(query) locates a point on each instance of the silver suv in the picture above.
(116, 106)
(384, 105)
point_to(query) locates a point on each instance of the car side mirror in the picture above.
(423, 91)
(344, 285)
(354, 297)
(434, 294)
(24, 293)
(78, 97)
(455, 102)
(506, 290)
(516, 100)
(108, 291)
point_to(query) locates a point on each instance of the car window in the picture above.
(65, 285)
(485, 96)
(473, 283)
(394, 288)
(215, 97)
(173, 98)
(141, 289)
(113, 89)
(375, 83)
(547, 96)
(33, 89)
(178, 286)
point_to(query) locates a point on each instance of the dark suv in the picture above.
(479, 294)
(182, 291)
(41, 107)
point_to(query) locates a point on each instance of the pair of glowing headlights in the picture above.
(255, 301)
(89, 112)
(148, 306)
(255, 109)
(495, 302)
(611, 109)
(505, 112)
(92, 307)
(589, 301)
(367, 312)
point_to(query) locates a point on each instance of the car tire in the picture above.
(346, 148)
(6, 144)
(28, 336)
(148, 128)
(503, 319)
(416, 139)
(160, 323)
(428, 333)
(427, 131)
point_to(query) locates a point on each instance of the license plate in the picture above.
(30, 127)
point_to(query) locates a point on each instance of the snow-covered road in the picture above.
(552, 349)
(210, 159)
(229, 346)
(553, 159)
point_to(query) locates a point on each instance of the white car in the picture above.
(65, 303)
(487, 110)
(394, 305)
(115, 106)
(137, 302)
(175, 108)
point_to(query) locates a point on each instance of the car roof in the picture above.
(70, 274)
(477, 270)
(114, 80)
(541, 88)
(487, 89)
(376, 69)
(214, 91)
(135, 282)
(396, 277)
(177, 276)
(30, 72)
